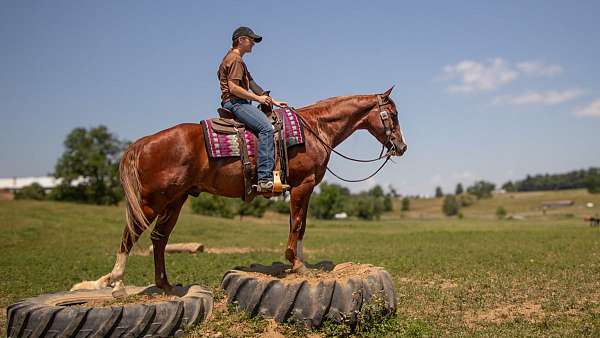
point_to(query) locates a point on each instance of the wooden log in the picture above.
(182, 247)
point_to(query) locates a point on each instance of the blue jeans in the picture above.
(260, 124)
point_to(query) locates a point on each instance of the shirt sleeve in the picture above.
(236, 71)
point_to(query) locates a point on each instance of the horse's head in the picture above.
(382, 122)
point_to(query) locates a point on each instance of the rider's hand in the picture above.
(265, 99)
(281, 104)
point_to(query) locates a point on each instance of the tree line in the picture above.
(331, 200)
(88, 171)
(576, 179)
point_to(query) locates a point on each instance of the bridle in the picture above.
(386, 120)
(390, 137)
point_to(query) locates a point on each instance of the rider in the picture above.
(238, 90)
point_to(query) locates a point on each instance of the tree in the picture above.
(392, 191)
(450, 206)
(481, 189)
(366, 206)
(509, 186)
(89, 167)
(331, 200)
(34, 191)
(592, 183)
(459, 189)
(405, 204)
(438, 192)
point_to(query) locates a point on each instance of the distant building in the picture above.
(17, 183)
(47, 182)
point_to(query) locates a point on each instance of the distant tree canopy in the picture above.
(439, 192)
(459, 189)
(334, 198)
(577, 179)
(89, 167)
(481, 189)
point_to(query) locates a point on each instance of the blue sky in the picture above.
(492, 91)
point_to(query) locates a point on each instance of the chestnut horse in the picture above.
(159, 171)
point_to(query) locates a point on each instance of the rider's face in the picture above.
(246, 43)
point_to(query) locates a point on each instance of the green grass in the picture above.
(476, 277)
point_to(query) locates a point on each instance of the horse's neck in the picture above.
(338, 121)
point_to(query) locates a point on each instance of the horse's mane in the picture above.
(325, 104)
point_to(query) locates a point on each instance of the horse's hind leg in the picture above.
(160, 236)
(115, 277)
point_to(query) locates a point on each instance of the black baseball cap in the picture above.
(245, 31)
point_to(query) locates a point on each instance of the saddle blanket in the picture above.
(227, 145)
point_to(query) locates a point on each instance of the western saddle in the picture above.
(227, 123)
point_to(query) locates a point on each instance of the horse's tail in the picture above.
(135, 218)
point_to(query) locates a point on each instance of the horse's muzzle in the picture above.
(397, 148)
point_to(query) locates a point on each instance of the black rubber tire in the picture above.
(53, 315)
(309, 303)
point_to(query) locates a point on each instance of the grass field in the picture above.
(476, 276)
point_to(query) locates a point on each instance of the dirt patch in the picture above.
(340, 272)
(447, 284)
(131, 299)
(237, 250)
(529, 311)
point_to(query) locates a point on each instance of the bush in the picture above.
(256, 208)
(450, 206)
(405, 204)
(466, 200)
(281, 206)
(34, 191)
(501, 212)
(212, 205)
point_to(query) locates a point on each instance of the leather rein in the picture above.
(385, 119)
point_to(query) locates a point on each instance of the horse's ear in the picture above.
(388, 92)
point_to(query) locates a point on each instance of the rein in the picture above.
(387, 156)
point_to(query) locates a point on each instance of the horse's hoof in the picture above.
(118, 290)
(301, 269)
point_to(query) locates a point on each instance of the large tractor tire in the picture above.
(339, 293)
(82, 314)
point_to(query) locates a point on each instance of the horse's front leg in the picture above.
(300, 195)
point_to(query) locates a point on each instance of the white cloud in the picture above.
(544, 98)
(592, 110)
(479, 76)
(539, 68)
